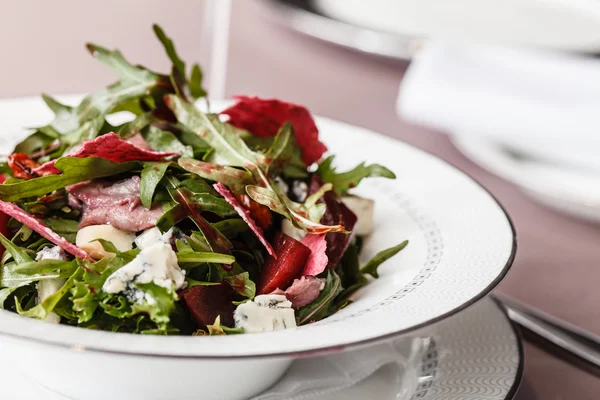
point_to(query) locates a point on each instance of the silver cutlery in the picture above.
(558, 337)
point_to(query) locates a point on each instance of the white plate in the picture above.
(461, 245)
(475, 355)
(567, 189)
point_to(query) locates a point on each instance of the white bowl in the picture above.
(461, 245)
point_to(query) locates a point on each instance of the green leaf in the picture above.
(198, 185)
(242, 284)
(123, 69)
(196, 78)
(381, 257)
(33, 142)
(229, 148)
(107, 245)
(169, 49)
(55, 105)
(170, 217)
(235, 179)
(299, 215)
(66, 228)
(215, 239)
(44, 308)
(135, 126)
(161, 140)
(49, 266)
(151, 175)
(231, 227)
(284, 152)
(74, 170)
(88, 130)
(192, 282)
(348, 180)
(18, 254)
(323, 306)
(213, 204)
(217, 329)
(205, 257)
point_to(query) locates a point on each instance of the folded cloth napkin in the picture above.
(544, 103)
(320, 376)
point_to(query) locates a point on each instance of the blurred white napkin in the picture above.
(542, 102)
(320, 376)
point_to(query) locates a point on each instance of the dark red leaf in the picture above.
(280, 272)
(17, 213)
(337, 214)
(245, 214)
(264, 117)
(110, 147)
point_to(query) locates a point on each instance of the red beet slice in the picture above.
(110, 147)
(337, 214)
(206, 303)
(264, 117)
(280, 272)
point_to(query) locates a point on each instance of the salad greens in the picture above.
(183, 222)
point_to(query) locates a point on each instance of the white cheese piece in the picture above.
(48, 287)
(156, 263)
(86, 239)
(268, 312)
(300, 190)
(364, 209)
(289, 229)
(152, 236)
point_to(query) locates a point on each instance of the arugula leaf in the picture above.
(66, 228)
(169, 49)
(348, 180)
(73, 169)
(215, 239)
(196, 78)
(381, 257)
(192, 282)
(46, 267)
(151, 175)
(205, 257)
(199, 185)
(242, 284)
(44, 308)
(229, 148)
(323, 306)
(161, 140)
(55, 105)
(235, 179)
(217, 329)
(231, 227)
(135, 126)
(19, 255)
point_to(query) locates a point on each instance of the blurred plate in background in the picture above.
(392, 27)
(305, 17)
(567, 189)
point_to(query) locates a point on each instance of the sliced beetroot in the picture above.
(264, 117)
(110, 147)
(280, 272)
(337, 214)
(245, 214)
(303, 291)
(206, 303)
(20, 215)
(317, 260)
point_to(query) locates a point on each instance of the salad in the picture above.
(180, 221)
